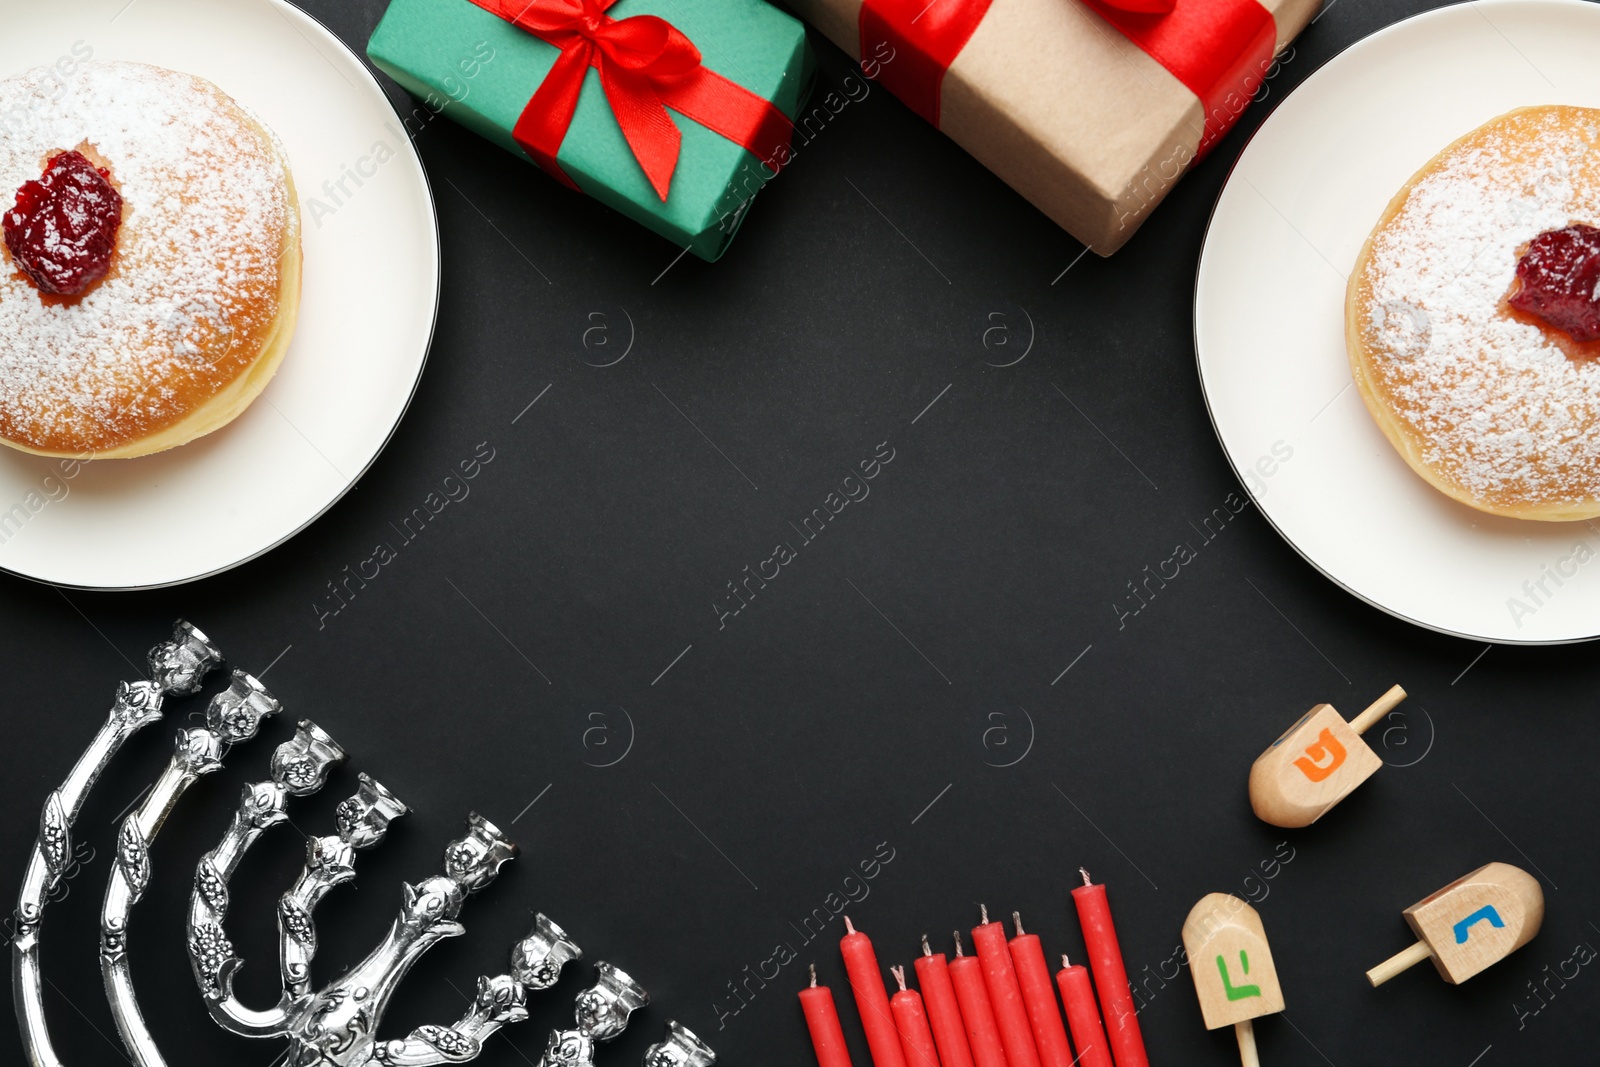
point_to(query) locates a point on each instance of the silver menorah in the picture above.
(337, 1025)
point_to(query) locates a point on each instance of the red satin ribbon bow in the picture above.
(1211, 46)
(646, 66)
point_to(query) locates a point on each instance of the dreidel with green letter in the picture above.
(1471, 924)
(1316, 763)
(1232, 968)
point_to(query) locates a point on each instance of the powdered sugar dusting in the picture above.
(195, 275)
(1505, 412)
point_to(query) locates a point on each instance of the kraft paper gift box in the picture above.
(479, 63)
(1090, 111)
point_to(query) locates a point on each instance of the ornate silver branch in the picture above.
(536, 963)
(177, 667)
(300, 767)
(232, 716)
(362, 819)
(338, 1025)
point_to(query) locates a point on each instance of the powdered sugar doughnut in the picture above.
(1491, 406)
(198, 305)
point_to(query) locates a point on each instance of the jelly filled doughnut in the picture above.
(152, 260)
(1472, 317)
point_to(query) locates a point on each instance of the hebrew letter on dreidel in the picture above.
(1326, 745)
(1237, 992)
(1484, 914)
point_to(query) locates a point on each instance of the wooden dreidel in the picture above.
(1232, 968)
(1472, 923)
(1316, 763)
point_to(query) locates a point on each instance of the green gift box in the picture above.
(482, 70)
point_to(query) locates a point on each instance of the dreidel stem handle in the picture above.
(1377, 710)
(1400, 961)
(1246, 1033)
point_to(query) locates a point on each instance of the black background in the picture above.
(819, 724)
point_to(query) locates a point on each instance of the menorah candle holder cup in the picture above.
(301, 765)
(537, 959)
(179, 665)
(363, 819)
(235, 714)
(679, 1048)
(604, 1008)
(473, 861)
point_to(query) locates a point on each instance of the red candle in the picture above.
(1110, 976)
(1039, 997)
(916, 1040)
(966, 975)
(1083, 1015)
(934, 978)
(866, 982)
(1005, 996)
(827, 1037)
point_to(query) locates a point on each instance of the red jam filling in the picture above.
(1560, 281)
(64, 226)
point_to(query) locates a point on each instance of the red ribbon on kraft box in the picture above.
(1213, 47)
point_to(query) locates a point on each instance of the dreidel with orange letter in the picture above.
(1472, 923)
(1316, 763)
(1232, 968)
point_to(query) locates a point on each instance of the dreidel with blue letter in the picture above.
(1316, 763)
(1232, 968)
(1472, 923)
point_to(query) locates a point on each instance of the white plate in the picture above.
(1269, 321)
(371, 288)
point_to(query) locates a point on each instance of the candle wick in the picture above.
(899, 977)
(814, 974)
(1016, 919)
(1085, 876)
(983, 909)
(1065, 963)
(926, 951)
(848, 929)
(957, 934)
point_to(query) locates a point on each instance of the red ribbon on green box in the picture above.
(646, 66)
(1211, 46)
